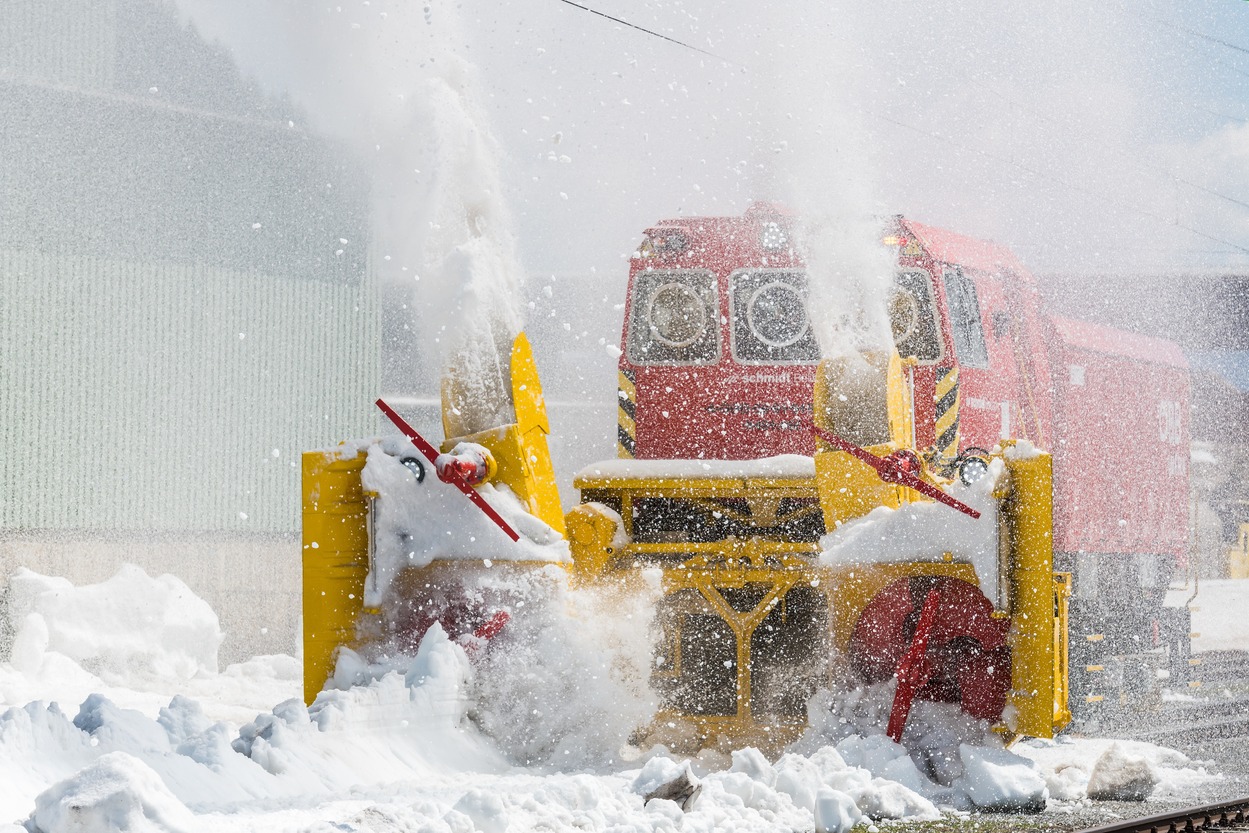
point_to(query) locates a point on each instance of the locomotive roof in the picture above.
(950, 247)
(1101, 339)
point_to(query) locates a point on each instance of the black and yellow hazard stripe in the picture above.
(946, 398)
(626, 414)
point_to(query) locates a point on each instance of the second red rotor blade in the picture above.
(895, 475)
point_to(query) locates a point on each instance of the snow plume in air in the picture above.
(814, 145)
(391, 78)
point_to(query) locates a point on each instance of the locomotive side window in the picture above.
(674, 318)
(914, 317)
(968, 332)
(770, 323)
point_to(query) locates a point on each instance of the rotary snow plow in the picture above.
(779, 576)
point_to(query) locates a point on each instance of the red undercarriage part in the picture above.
(465, 621)
(961, 658)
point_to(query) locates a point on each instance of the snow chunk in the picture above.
(665, 782)
(116, 793)
(1000, 781)
(1118, 776)
(485, 809)
(835, 812)
(752, 762)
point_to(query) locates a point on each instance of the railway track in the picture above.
(1223, 667)
(1220, 711)
(1224, 816)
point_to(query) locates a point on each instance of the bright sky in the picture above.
(1108, 135)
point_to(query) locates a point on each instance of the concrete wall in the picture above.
(252, 583)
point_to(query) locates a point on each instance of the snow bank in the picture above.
(925, 531)
(527, 735)
(116, 793)
(130, 625)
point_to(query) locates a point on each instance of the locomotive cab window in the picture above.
(770, 324)
(913, 316)
(674, 318)
(965, 326)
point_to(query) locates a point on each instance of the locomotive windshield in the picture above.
(674, 318)
(770, 323)
(965, 328)
(914, 317)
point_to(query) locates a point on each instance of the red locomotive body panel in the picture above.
(1121, 456)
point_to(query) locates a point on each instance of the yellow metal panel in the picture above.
(849, 488)
(335, 559)
(900, 401)
(527, 396)
(1062, 659)
(590, 534)
(1039, 705)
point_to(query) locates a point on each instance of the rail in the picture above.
(1230, 815)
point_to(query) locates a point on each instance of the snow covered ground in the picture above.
(115, 717)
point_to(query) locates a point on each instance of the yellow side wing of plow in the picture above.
(520, 448)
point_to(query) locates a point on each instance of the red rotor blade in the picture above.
(892, 474)
(912, 671)
(431, 454)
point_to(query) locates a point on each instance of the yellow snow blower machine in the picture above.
(807, 522)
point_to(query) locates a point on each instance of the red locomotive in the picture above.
(719, 362)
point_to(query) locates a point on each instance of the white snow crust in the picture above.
(434, 742)
(415, 523)
(925, 531)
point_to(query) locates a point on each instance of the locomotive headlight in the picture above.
(777, 314)
(677, 315)
(773, 237)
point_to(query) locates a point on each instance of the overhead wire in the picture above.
(647, 31)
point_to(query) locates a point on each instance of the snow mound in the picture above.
(116, 793)
(130, 625)
(925, 531)
(417, 522)
(1119, 776)
(998, 780)
(1067, 766)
